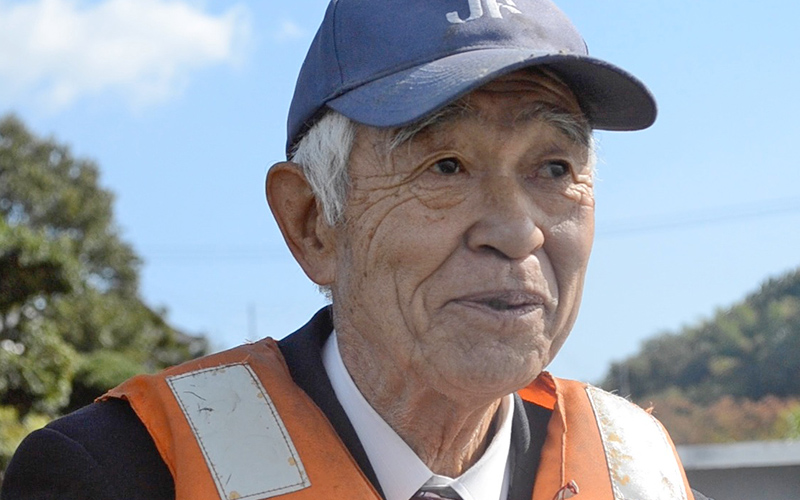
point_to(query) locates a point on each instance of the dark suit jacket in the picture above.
(103, 452)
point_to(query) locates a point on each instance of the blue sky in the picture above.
(183, 105)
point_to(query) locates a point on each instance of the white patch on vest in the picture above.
(243, 439)
(640, 459)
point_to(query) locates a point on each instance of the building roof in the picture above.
(740, 455)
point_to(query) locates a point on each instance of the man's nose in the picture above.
(508, 221)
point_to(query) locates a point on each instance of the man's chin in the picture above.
(492, 375)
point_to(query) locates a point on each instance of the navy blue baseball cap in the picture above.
(389, 63)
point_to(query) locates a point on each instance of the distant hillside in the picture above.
(735, 376)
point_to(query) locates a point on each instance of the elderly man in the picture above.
(440, 190)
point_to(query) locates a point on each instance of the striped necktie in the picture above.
(436, 493)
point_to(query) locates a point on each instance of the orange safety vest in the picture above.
(234, 425)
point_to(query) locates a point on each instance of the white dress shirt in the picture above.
(400, 472)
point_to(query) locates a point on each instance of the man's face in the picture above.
(461, 258)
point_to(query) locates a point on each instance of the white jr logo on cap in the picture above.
(476, 10)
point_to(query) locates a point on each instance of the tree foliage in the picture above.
(727, 419)
(72, 323)
(745, 361)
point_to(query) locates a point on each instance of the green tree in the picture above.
(72, 323)
(734, 376)
(749, 350)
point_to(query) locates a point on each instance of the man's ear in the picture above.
(295, 208)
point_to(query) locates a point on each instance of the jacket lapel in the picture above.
(528, 433)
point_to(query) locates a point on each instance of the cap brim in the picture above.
(611, 98)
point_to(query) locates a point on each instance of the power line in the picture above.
(212, 252)
(696, 218)
(611, 229)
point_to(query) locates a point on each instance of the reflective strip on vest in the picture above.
(640, 458)
(240, 432)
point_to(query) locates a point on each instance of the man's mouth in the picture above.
(511, 301)
(503, 305)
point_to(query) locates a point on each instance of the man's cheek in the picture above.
(378, 227)
(581, 193)
(439, 195)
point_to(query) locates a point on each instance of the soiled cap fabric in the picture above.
(388, 63)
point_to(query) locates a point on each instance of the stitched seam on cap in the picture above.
(335, 31)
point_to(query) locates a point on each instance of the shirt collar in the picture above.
(400, 472)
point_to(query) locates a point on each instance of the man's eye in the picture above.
(447, 166)
(556, 169)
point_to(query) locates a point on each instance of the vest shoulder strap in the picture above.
(601, 446)
(234, 425)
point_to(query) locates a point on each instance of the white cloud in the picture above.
(289, 30)
(61, 50)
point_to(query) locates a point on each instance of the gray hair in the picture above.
(323, 154)
(324, 151)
